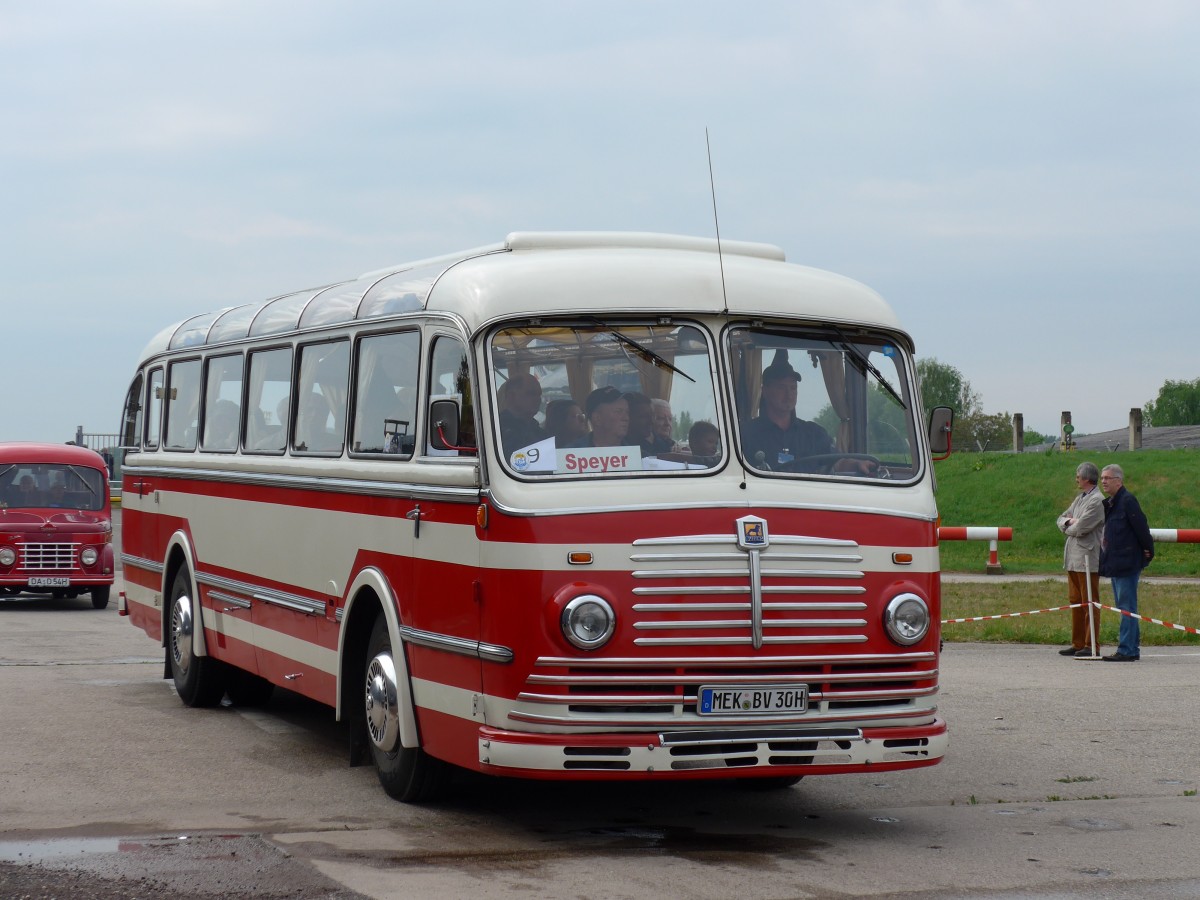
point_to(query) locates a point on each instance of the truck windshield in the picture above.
(822, 401)
(597, 398)
(51, 486)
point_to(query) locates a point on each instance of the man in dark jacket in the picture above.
(1125, 549)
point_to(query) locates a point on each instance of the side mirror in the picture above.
(443, 425)
(941, 422)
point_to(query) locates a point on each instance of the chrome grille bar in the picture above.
(46, 557)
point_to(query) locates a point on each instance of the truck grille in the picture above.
(47, 557)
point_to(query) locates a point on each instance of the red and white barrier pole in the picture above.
(980, 533)
(1176, 535)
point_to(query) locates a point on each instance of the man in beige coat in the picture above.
(1083, 524)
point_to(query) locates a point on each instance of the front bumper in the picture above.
(713, 753)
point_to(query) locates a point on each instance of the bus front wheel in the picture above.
(199, 680)
(408, 774)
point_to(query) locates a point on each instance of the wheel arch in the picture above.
(369, 595)
(180, 553)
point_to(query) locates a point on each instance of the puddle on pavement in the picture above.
(691, 843)
(55, 850)
(68, 850)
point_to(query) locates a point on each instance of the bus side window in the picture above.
(131, 421)
(450, 378)
(222, 402)
(385, 394)
(183, 404)
(154, 406)
(268, 400)
(322, 390)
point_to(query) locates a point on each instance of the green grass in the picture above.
(1167, 601)
(1027, 492)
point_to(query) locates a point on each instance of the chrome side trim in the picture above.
(294, 602)
(375, 488)
(130, 561)
(451, 644)
(237, 602)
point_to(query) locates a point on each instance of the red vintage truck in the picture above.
(55, 522)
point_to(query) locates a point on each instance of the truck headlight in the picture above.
(906, 619)
(588, 621)
(8, 556)
(89, 556)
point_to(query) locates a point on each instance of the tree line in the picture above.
(1178, 403)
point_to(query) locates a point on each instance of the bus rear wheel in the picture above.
(408, 774)
(199, 680)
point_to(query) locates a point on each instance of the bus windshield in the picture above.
(822, 401)
(593, 398)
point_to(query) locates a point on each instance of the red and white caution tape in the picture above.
(1148, 619)
(1032, 612)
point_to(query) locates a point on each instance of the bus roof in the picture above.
(16, 452)
(543, 273)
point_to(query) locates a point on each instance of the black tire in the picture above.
(247, 689)
(199, 680)
(100, 596)
(408, 774)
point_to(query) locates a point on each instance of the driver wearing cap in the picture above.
(778, 440)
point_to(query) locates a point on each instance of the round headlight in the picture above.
(8, 556)
(906, 619)
(89, 556)
(588, 622)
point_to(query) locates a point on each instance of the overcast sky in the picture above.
(1020, 180)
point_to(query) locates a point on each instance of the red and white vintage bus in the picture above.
(55, 522)
(519, 510)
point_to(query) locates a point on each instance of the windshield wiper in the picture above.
(649, 355)
(75, 472)
(865, 365)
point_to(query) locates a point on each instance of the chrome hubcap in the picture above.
(181, 633)
(383, 710)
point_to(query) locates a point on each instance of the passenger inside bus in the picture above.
(221, 429)
(608, 414)
(566, 422)
(662, 425)
(704, 442)
(520, 398)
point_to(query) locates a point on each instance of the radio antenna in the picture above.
(716, 222)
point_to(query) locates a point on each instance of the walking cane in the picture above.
(1087, 577)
